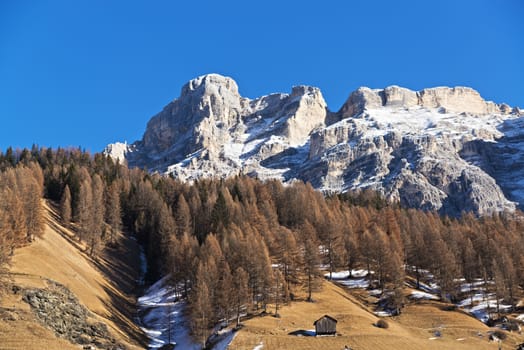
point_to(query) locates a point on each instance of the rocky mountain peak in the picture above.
(457, 99)
(440, 148)
(210, 84)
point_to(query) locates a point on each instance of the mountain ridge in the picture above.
(437, 149)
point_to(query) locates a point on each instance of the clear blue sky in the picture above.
(89, 72)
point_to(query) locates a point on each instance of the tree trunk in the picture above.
(309, 286)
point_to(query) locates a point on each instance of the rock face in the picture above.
(58, 309)
(440, 149)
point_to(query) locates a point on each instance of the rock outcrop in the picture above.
(58, 309)
(442, 148)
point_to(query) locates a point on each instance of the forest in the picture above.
(233, 246)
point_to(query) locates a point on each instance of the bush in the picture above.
(382, 324)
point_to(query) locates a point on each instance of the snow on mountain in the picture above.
(442, 148)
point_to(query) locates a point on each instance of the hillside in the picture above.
(56, 261)
(442, 148)
(414, 329)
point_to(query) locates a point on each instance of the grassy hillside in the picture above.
(104, 288)
(414, 329)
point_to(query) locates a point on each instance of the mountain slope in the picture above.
(53, 264)
(414, 329)
(442, 148)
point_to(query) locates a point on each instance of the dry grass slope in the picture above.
(59, 257)
(410, 331)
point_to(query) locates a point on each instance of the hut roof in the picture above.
(325, 316)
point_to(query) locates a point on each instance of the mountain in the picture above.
(442, 148)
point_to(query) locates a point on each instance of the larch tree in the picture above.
(240, 292)
(311, 260)
(165, 228)
(202, 307)
(279, 289)
(331, 239)
(224, 291)
(31, 196)
(445, 269)
(468, 261)
(498, 285)
(510, 277)
(183, 216)
(85, 210)
(396, 276)
(98, 211)
(351, 251)
(15, 223)
(113, 211)
(65, 206)
(289, 256)
(184, 261)
(380, 254)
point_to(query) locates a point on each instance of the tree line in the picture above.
(21, 210)
(233, 246)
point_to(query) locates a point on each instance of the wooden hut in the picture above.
(326, 325)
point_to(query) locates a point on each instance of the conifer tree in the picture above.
(240, 293)
(65, 206)
(97, 212)
(279, 289)
(311, 260)
(224, 291)
(183, 216)
(202, 307)
(351, 251)
(85, 210)
(114, 211)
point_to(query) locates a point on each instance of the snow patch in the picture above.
(419, 295)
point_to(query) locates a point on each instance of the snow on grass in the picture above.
(358, 278)
(225, 338)
(163, 319)
(162, 314)
(375, 292)
(419, 295)
(431, 287)
(355, 283)
(383, 313)
(260, 346)
(482, 306)
(520, 317)
(345, 274)
(469, 287)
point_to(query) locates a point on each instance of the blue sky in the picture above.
(89, 72)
